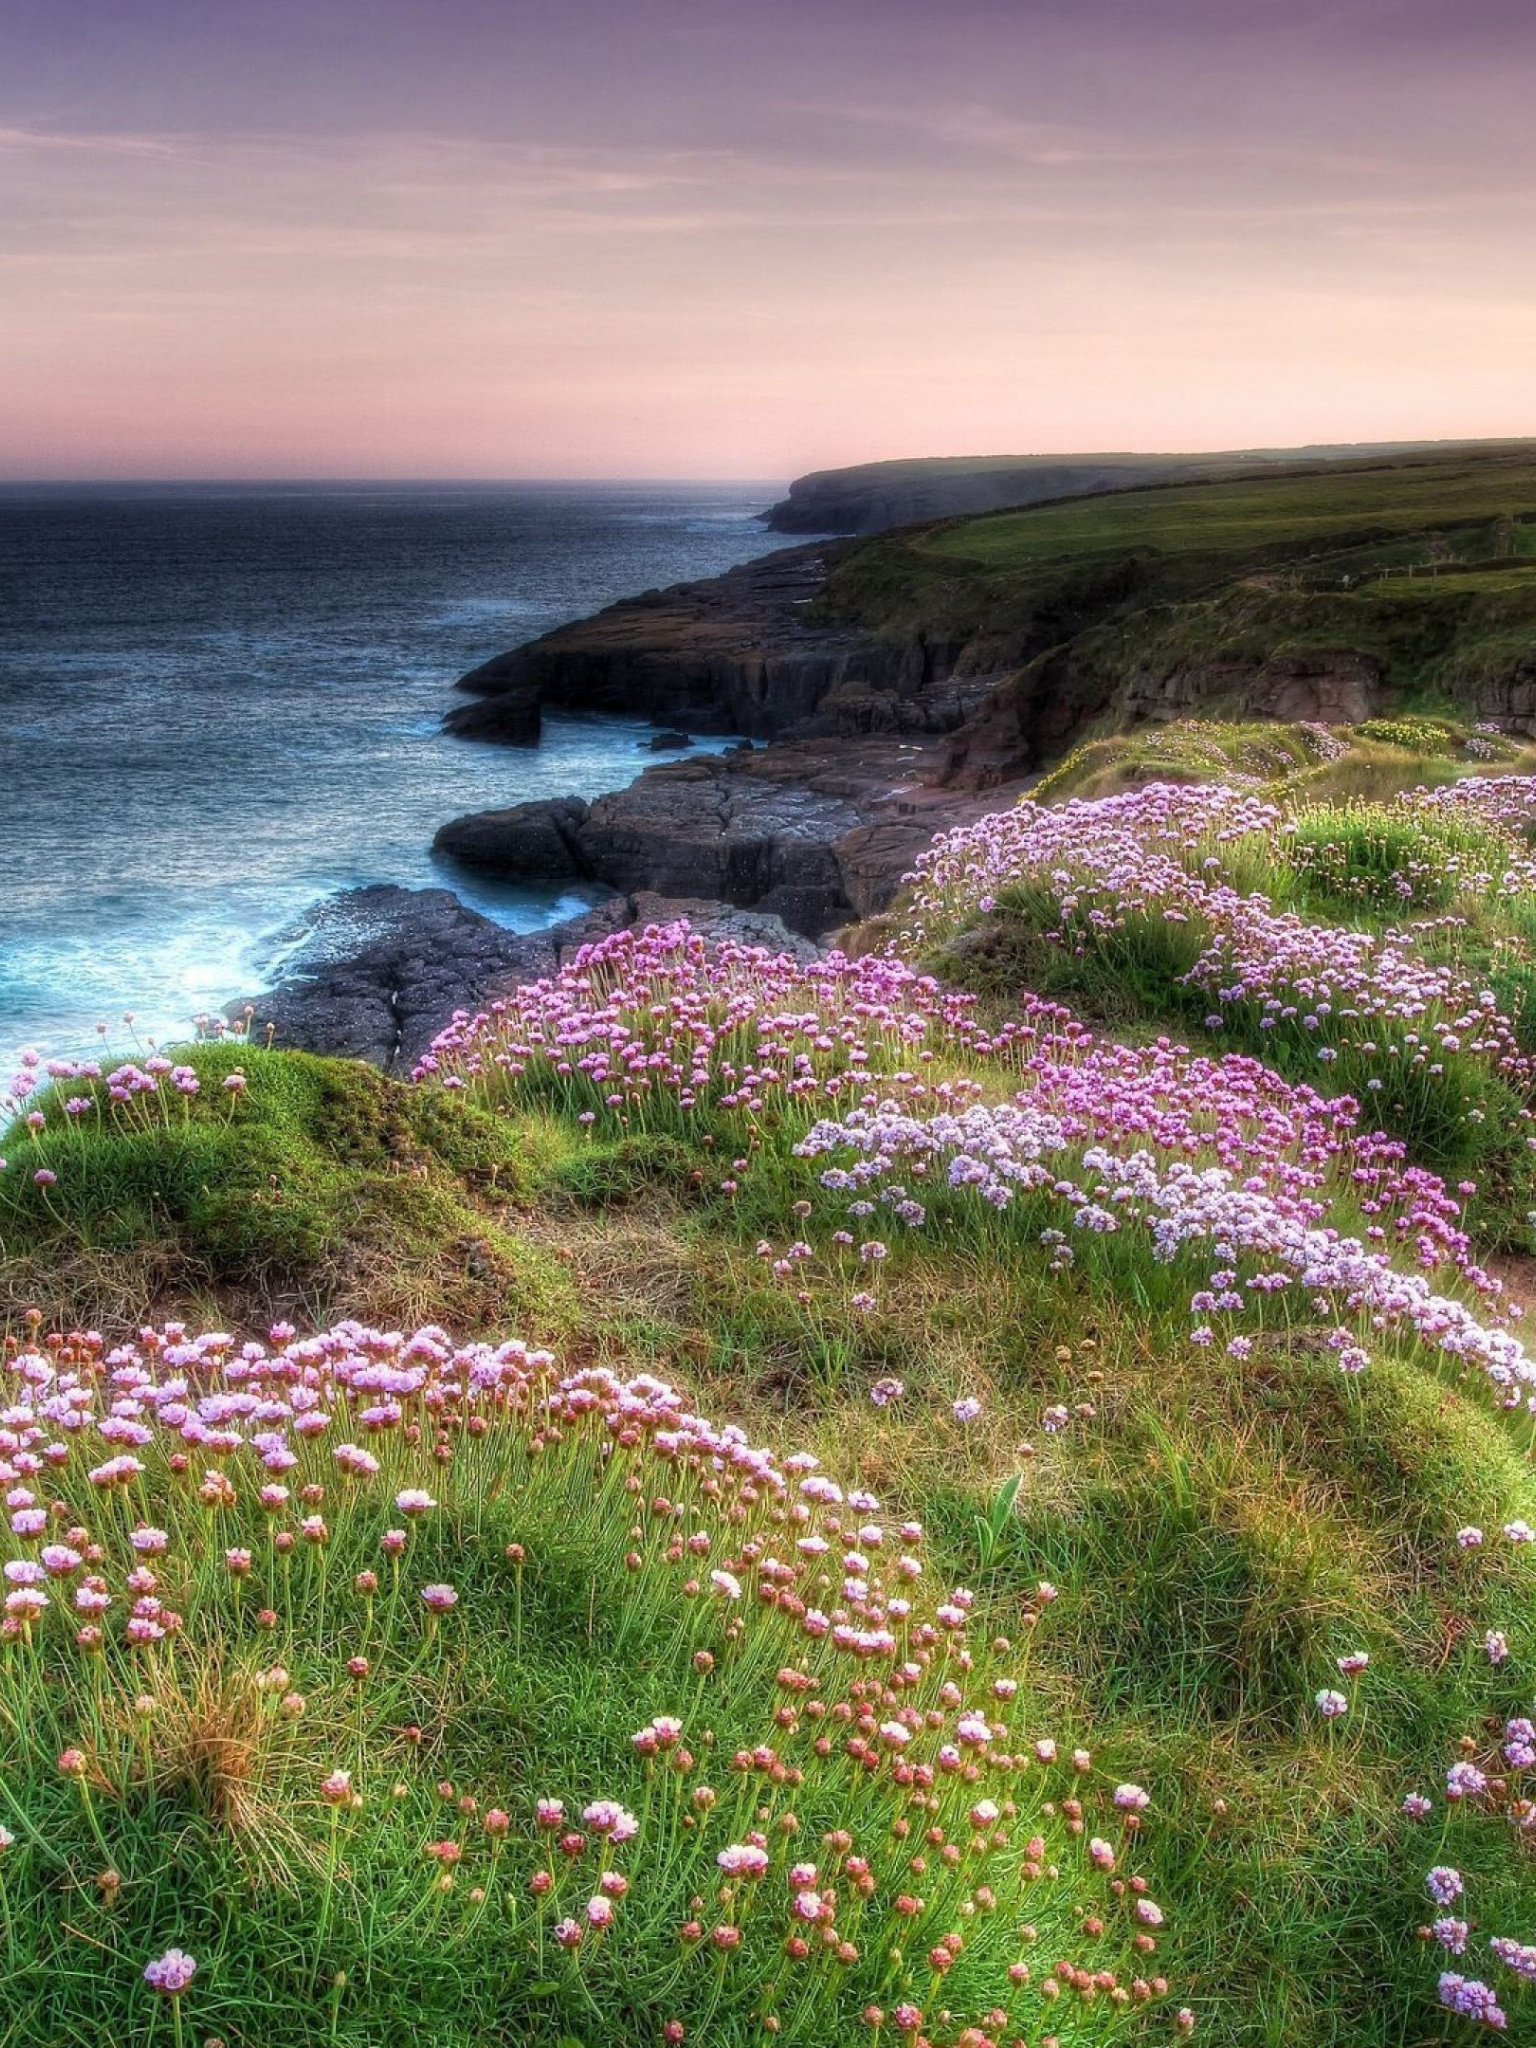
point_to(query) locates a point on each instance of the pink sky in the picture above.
(669, 238)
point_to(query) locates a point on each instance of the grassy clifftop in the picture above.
(1423, 568)
(1099, 1605)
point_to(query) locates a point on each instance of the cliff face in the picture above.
(815, 832)
(903, 680)
(884, 494)
(873, 496)
(740, 653)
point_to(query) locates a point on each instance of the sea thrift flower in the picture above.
(1465, 1781)
(1472, 1998)
(1332, 1705)
(439, 1598)
(171, 1973)
(1444, 1883)
(1515, 1955)
(607, 1817)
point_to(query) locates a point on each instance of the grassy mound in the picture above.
(504, 1706)
(307, 1186)
(1382, 950)
(1410, 582)
(1300, 763)
(1191, 1373)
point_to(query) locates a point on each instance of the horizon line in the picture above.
(497, 479)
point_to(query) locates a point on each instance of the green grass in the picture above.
(323, 1182)
(1218, 1533)
(1217, 1536)
(1408, 576)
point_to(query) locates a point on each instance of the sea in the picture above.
(221, 704)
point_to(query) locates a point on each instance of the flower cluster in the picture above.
(224, 1562)
(1183, 880)
(1487, 1784)
(60, 1103)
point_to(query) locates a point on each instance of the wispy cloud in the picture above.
(25, 141)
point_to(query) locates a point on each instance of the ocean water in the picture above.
(219, 704)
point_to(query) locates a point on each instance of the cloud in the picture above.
(28, 140)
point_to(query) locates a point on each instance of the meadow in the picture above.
(974, 1492)
(1414, 572)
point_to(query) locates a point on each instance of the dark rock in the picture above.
(516, 719)
(814, 832)
(722, 921)
(667, 743)
(744, 652)
(1338, 687)
(538, 841)
(377, 972)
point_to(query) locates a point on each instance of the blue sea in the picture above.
(220, 704)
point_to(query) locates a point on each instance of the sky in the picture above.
(695, 238)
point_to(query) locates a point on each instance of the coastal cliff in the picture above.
(897, 687)
(749, 652)
(898, 680)
(870, 497)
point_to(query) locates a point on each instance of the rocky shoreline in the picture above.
(868, 748)
(748, 653)
(381, 970)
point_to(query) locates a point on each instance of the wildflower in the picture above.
(171, 1973)
(967, 1408)
(412, 1500)
(1444, 1883)
(743, 1859)
(1353, 1664)
(1132, 1799)
(336, 1790)
(607, 1817)
(1332, 1705)
(1465, 1781)
(1451, 1935)
(1496, 1644)
(1515, 1955)
(887, 1391)
(1472, 1998)
(1470, 1537)
(438, 1599)
(1416, 1806)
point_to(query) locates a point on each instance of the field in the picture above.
(977, 1493)
(1418, 567)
